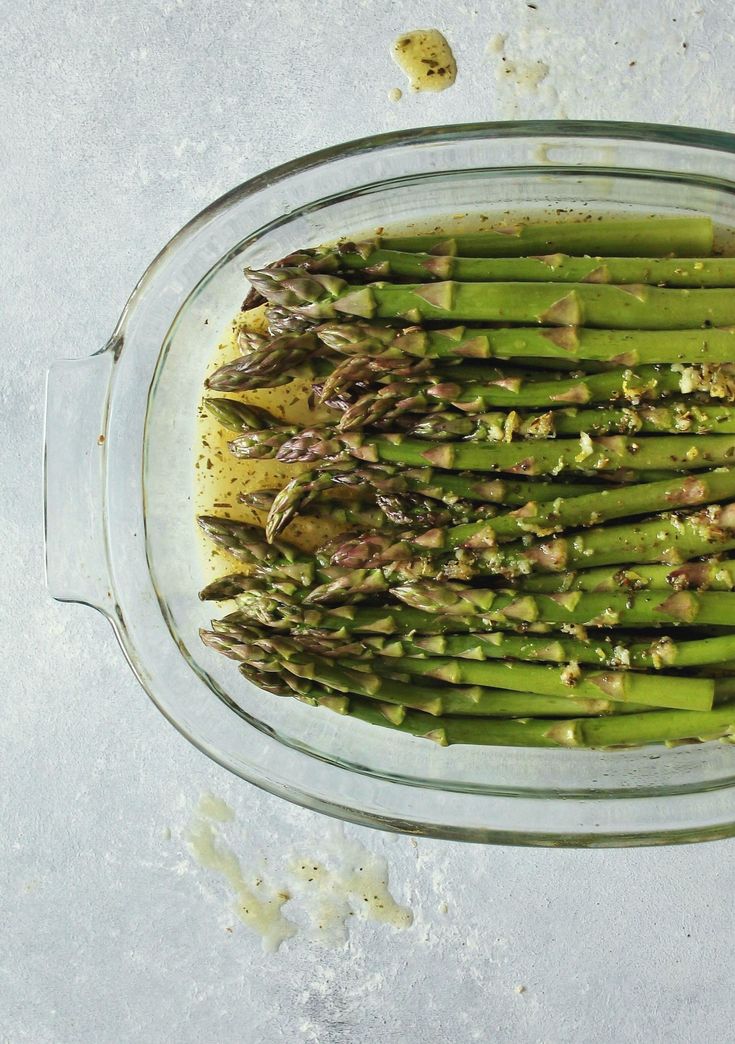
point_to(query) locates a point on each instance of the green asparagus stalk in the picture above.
(625, 731)
(267, 366)
(226, 587)
(668, 726)
(267, 444)
(533, 518)
(477, 701)
(672, 419)
(290, 443)
(379, 263)
(658, 654)
(587, 510)
(504, 705)
(618, 686)
(594, 732)
(381, 368)
(667, 538)
(446, 488)
(504, 678)
(277, 685)
(626, 237)
(633, 307)
(343, 620)
(326, 443)
(472, 701)
(280, 560)
(406, 509)
(540, 520)
(240, 416)
(397, 620)
(281, 321)
(449, 487)
(458, 344)
(576, 344)
(648, 383)
(540, 457)
(351, 513)
(612, 609)
(278, 361)
(672, 538)
(710, 575)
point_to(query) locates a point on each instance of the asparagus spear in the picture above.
(628, 730)
(268, 363)
(500, 704)
(277, 361)
(672, 538)
(711, 575)
(281, 560)
(448, 487)
(591, 733)
(668, 726)
(576, 344)
(406, 510)
(477, 701)
(665, 538)
(411, 509)
(674, 418)
(397, 505)
(326, 442)
(377, 262)
(612, 609)
(393, 620)
(352, 513)
(659, 653)
(458, 344)
(226, 587)
(267, 444)
(633, 307)
(375, 712)
(540, 457)
(541, 520)
(616, 687)
(646, 384)
(620, 687)
(240, 416)
(532, 518)
(627, 237)
(589, 509)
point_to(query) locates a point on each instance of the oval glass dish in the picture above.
(121, 436)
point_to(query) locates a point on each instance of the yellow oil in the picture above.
(426, 58)
(220, 477)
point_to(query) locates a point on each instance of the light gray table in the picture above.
(119, 120)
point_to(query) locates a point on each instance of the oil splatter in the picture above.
(327, 882)
(256, 908)
(426, 58)
(213, 807)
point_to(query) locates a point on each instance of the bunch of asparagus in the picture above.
(530, 452)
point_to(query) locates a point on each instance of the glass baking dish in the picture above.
(120, 443)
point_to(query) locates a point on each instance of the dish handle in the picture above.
(74, 470)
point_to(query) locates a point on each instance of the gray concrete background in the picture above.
(118, 121)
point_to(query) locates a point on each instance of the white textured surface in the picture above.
(119, 120)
